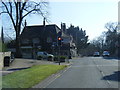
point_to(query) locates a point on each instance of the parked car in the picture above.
(96, 54)
(106, 53)
(44, 55)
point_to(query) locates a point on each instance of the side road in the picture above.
(19, 64)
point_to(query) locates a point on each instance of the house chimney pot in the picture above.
(44, 22)
(25, 23)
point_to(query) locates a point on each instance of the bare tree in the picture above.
(111, 37)
(17, 10)
(111, 26)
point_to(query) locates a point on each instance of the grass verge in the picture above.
(29, 77)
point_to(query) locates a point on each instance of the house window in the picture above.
(49, 39)
(36, 40)
(25, 41)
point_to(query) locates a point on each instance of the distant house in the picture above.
(44, 38)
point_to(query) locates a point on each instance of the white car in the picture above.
(106, 53)
(44, 55)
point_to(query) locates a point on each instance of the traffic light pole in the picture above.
(59, 54)
(59, 40)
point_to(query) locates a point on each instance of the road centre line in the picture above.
(93, 65)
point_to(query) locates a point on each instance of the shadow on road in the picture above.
(111, 58)
(14, 69)
(113, 77)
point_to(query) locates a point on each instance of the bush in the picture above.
(3, 47)
(56, 58)
(39, 57)
(50, 58)
(62, 58)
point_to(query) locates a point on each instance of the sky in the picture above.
(90, 15)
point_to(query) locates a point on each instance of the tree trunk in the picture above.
(18, 50)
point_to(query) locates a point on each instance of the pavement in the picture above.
(19, 64)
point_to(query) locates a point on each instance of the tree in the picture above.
(111, 26)
(79, 37)
(99, 42)
(118, 45)
(17, 10)
(111, 37)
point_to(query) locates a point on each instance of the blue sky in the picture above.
(88, 15)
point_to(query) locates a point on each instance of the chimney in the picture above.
(25, 23)
(44, 22)
(63, 27)
(2, 35)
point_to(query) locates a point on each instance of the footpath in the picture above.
(19, 64)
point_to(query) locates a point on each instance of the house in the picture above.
(68, 46)
(43, 38)
(35, 38)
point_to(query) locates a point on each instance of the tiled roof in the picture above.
(37, 31)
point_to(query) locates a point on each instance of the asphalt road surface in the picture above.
(89, 72)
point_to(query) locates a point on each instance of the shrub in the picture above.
(50, 58)
(56, 58)
(3, 47)
(39, 57)
(62, 58)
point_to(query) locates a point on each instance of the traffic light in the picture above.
(59, 41)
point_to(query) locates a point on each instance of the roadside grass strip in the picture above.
(29, 77)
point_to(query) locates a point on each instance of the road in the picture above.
(88, 72)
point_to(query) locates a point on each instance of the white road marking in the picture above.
(94, 65)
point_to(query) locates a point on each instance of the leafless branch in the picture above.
(28, 13)
(10, 7)
(7, 11)
(3, 12)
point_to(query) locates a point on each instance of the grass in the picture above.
(0, 46)
(29, 77)
(3, 47)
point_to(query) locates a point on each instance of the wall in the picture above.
(1, 60)
(2, 55)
